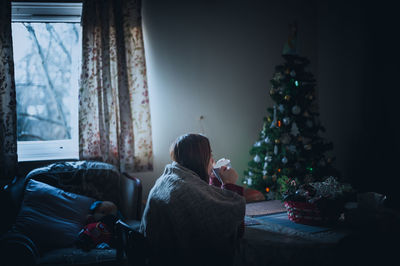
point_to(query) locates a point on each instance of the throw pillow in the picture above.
(50, 216)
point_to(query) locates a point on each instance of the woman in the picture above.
(187, 221)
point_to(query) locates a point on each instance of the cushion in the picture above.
(50, 216)
(93, 179)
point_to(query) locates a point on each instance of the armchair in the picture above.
(96, 180)
(131, 245)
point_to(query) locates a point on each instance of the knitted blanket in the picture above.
(185, 213)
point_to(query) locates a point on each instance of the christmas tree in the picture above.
(290, 151)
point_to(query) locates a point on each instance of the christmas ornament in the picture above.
(296, 83)
(267, 140)
(307, 147)
(267, 189)
(272, 91)
(277, 141)
(265, 165)
(279, 170)
(250, 173)
(269, 119)
(276, 150)
(287, 97)
(292, 73)
(265, 172)
(281, 108)
(274, 121)
(249, 181)
(257, 158)
(291, 148)
(284, 160)
(286, 120)
(296, 110)
(268, 158)
(257, 144)
(294, 130)
(279, 123)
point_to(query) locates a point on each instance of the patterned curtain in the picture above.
(114, 113)
(8, 105)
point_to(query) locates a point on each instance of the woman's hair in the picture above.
(192, 151)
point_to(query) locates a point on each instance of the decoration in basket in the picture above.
(318, 203)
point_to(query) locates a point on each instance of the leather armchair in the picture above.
(97, 180)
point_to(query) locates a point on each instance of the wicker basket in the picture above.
(308, 213)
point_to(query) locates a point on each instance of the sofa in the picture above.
(43, 212)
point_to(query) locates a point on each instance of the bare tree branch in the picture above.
(75, 29)
(41, 119)
(29, 136)
(54, 33)
(27, 59)
(49, 81)
(49, 45)
(29, 84)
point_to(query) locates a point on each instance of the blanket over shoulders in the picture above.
(185, 213)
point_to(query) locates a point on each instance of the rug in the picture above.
(264, 207)
(279, 223)
(283, 220)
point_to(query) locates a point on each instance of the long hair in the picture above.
(192, 151)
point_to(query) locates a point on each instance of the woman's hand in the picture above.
(228, 175)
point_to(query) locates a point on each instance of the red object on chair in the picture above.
(252, 195)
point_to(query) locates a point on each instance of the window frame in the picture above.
(50, 12)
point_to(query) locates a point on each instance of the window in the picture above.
(47, 52)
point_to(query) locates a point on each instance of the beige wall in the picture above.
(215, 59)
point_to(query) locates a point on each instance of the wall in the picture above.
(342, 67)
(357, 73)
(215, 59)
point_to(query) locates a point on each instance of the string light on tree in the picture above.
(286, 120)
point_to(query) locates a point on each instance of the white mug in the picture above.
(217, 167)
